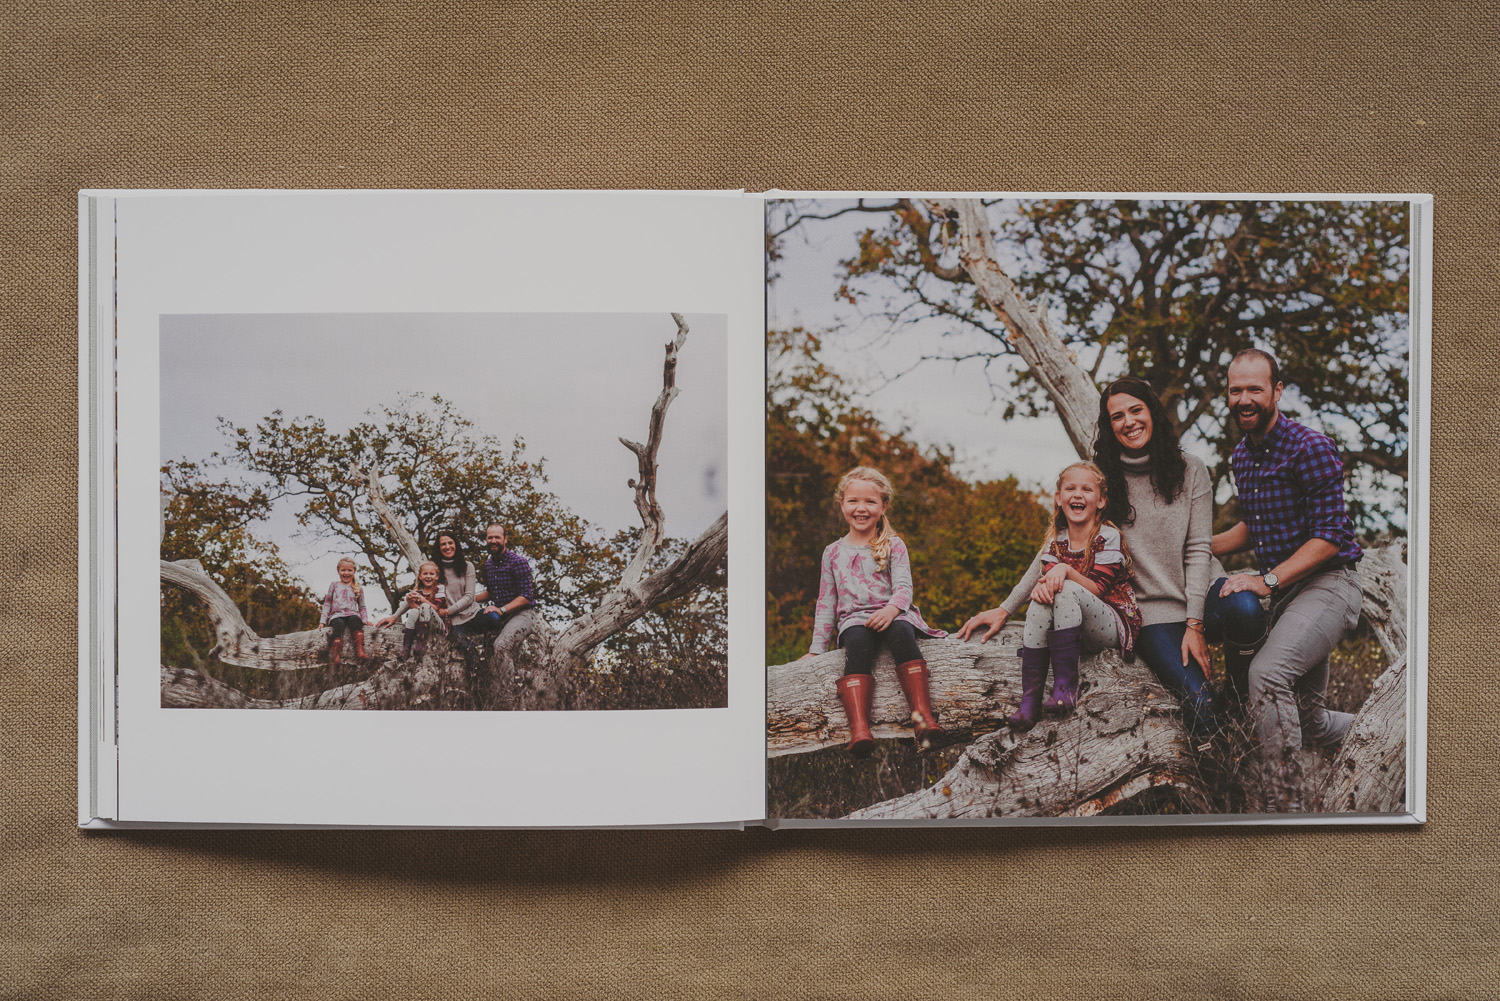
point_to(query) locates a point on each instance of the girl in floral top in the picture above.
(1080, 594)
(865, 601)
(344, 612)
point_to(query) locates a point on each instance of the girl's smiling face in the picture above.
(346, 573)
(427, 578)
(1079, 498)
(863, 506)
(1131, 420)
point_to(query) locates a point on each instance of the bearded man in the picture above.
(1290, 481)
(510, 609)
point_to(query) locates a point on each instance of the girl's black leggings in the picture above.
(862, 643)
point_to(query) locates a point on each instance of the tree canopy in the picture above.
(1170, 291)
(436, 471)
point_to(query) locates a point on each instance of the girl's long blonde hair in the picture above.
(880, 546)
(359, 592)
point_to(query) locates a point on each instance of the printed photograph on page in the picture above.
(443, 511)
(1087, 507)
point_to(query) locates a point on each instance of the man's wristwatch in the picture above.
(1271, 581)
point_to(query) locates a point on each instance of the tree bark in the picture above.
(1369, 773)
(1125, 741)
(437, 680)
(404, 540)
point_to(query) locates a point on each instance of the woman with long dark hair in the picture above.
(1162, 499)
(462, 583)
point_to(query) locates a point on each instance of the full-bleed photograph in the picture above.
(444, 511)
(1086, 507)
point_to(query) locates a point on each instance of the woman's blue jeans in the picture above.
(1237, 619)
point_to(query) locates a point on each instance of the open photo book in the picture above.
(583, 508)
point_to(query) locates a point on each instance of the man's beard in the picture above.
(1262, 419)
(496, 547)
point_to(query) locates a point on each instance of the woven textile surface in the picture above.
(1085, 96)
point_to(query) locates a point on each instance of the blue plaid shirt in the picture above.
(1291, 489)
(507, 578)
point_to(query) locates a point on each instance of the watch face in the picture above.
(1271, 580)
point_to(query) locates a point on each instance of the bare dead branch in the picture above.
(404, 540)
(653, 519)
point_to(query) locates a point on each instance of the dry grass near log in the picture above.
(829, 783)
(692, 684)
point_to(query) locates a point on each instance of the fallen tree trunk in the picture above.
(974, 687)
(1125, 739)
(1369, 773)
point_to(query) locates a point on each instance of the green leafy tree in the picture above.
(436, 471)
(1169, 291)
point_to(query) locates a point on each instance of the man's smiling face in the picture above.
(1253, 400)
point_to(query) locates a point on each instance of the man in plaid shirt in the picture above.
(506, 577)
(1290, 481)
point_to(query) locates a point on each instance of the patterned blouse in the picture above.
(852, 590)
(342, 600)
(1104, 562)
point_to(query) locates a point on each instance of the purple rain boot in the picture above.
(1033, 677)
(407, 636)
(1064, 646)
(420, 646)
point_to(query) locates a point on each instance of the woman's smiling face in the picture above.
(447, 546)
(1131, 420)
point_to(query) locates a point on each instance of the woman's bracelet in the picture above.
(1196, 624)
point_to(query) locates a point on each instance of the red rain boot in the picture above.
(856, 692)
(915, 679)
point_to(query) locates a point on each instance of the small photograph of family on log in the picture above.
(1086, 507)
(444, 511)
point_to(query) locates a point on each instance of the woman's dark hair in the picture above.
(1168, 466)
(436, 552)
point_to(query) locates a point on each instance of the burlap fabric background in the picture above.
(272, 94)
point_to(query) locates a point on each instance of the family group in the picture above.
(1128, 562)
(494, 605)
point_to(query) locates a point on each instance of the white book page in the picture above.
(430, 253)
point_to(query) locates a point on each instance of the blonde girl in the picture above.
(421, 611)
(865, 601)
(1080, 594)
(344, 612)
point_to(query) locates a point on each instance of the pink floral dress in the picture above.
(852, 590)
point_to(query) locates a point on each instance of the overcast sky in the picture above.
(569, 384)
